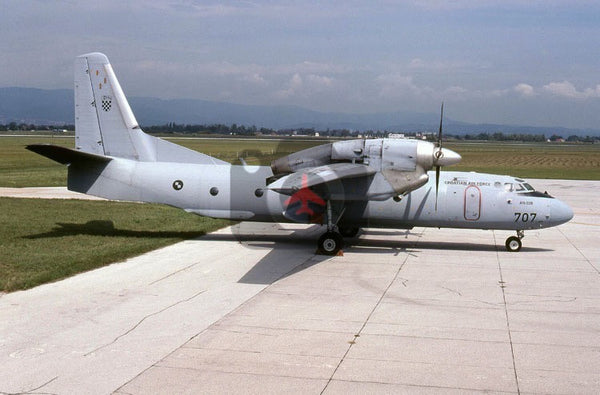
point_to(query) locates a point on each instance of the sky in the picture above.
(512, 62)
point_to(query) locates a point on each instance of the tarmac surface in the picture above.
(251, 309)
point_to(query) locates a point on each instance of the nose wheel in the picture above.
(513, 243)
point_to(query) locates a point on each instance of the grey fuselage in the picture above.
(465, 199)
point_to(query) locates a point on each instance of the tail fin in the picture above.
(105, 124)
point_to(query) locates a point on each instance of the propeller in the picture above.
(438, 155)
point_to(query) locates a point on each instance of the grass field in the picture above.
(544, 160)
(45, 240)
(21, 168)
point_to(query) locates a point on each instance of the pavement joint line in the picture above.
(280, 328)
(144, 319)
(357, 335)
(424, 386)
(158, 363)
(176, 271)
(257, 374)
(31, 390)
(502, 288)
(579, 251)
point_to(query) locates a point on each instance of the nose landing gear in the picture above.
(513, 243)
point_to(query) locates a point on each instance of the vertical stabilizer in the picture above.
(104, 122)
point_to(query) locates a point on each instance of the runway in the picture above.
(251, 309)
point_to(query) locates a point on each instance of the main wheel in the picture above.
(330, 243)
(349, 232)
(513, 244)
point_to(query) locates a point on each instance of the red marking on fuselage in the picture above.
(304, 196)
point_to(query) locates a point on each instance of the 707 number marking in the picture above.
(525, 217)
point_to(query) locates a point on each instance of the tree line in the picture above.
(242, 130)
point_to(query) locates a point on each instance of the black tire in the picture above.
(330, 243)
(349, 232)
(513, 244)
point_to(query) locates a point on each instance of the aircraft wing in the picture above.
(318, 176)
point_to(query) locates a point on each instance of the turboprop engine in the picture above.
(399, 165)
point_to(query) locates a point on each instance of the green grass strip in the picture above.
(46, 240)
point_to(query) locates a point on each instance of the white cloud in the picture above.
(308, 67)
(568, 90)
(319, 80)
(524, 90)
(299, 86)
(446, 5)
(446, 65)
(255, 78)
(397, 85)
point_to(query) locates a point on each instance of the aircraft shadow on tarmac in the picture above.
(286, 247)
(107, 228)
(300, 244)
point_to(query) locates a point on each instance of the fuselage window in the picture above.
(214, 191)
(508, 187)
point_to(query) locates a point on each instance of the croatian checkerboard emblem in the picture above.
(106, 103)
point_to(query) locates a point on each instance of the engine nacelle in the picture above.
(401, 165)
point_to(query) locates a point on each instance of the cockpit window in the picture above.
(528, 187)
(524, 187)
(520, 187)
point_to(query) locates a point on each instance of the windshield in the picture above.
(518, 187)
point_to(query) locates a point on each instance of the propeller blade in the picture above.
(439, 140)
(438, 155)
(437, 184)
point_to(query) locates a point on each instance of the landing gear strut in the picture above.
(331, 242)
(513, 243)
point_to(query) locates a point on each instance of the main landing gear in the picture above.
(513, 243)
(332, 241)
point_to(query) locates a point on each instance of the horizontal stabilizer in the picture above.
(314, 176)
(64, 155)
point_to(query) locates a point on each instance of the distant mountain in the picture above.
(36, 105)
(56, 107)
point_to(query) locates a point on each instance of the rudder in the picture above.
(105, 124)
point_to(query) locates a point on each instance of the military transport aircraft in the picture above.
(342, 185)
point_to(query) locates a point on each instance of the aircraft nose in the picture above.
(447, 157)
(560, 212)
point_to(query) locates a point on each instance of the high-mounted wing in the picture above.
(309, 189)
(319, 177)
(382, 168)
